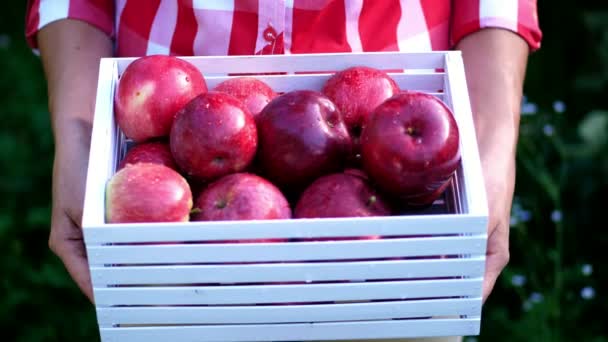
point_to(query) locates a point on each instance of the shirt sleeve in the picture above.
(518, 16)
(99, 13)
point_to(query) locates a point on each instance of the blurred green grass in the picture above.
(554, 289)
(38, 302)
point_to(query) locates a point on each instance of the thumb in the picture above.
(71, 250)
(78, 268)
(495, 262)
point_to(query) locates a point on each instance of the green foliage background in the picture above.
(555, 287)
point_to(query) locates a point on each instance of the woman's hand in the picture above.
(70, 51)
(66, 239)
(495, 63)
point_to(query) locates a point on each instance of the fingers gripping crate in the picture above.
(171, 282)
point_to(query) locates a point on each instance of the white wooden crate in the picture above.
(161, 282)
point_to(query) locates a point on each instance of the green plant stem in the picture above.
(557, 272)
(565, 158)
(551, 187)
(538, 172)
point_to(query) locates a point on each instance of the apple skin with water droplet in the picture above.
(242, 196)
(302, 136)
(346, 194)
(212, 136)
(357, 91)
(410, 147)
(254, 93)
(150, 91)
(149, 152)
(147, 192)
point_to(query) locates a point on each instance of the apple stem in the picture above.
(221, 204)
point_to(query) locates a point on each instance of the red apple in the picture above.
(150, 91)
(149, 152)
(341, 195)
(425, 201)
(302, 137)
(357, 91)
(241, 196)
(147, 192)
(347, 194)
(212, 136)
(410, 147)
(254, 93)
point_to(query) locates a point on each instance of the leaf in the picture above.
(593, 129)
(39, 217)
(596, 20)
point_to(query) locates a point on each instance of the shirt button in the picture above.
(270, 34)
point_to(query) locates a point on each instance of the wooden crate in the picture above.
(176, 282)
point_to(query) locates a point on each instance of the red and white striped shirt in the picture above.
(245, 27)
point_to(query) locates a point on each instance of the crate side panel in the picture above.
(289, 313)
(104, 145)
(309, 62)
(298, 332)
(301, 228)
(472, 185)
(429, 82)
(288, 251)
(299, 293)
(287, 272)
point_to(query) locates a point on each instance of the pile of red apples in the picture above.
(360, 146)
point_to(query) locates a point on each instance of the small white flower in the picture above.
(586, 269)
(559, 106)
(529, 108)
(536, 297)
(548, 130)
(588, 293)
(5, 40)
(516, 206)
(514, 221)
(556, 216)
(516, 211)
(524, 215)
(518, 280)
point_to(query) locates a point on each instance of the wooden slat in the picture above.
(301, 293)
(297, 332)
(311, 62)
(300, 228)
(473, 192)
(289, 313)
(104, 145)
(287, 272)
(289, 251)
(429, 81)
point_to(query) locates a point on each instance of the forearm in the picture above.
(70, 51)
(495, 63)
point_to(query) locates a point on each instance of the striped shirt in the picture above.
(246, 27)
